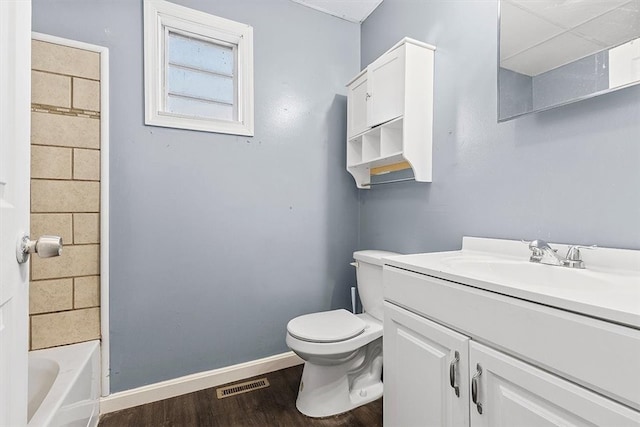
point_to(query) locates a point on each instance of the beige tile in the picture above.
(50, 295)
(67, 327)
(86, 164)
(50, 89)
(52, 224)
(86, 291)
(65, 60)
(86, 94)
(64, 196)
(50, 162)
(81, 260)
(86, 228)
(65, 131)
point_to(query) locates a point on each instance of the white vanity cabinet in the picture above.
(518, 363)
(513, 393)
(424, 364)
(390, 114)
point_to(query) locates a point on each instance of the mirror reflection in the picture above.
(553, 52)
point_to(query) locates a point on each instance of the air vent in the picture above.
(232, 390)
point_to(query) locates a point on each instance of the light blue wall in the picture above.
(516, 93)
(571, 174)
(579, 78)
(218, 241)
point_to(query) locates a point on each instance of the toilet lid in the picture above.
(326, 326)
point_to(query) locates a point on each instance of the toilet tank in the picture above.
(369, 275)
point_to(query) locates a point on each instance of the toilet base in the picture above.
(327, 390)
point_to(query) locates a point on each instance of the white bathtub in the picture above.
(64, 386)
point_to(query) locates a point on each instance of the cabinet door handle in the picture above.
(474, 388)
(452, 373)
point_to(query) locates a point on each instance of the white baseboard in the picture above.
(194, 382)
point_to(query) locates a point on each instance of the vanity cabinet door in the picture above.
(419, 356)
(357, 98)
(386, 87)
(514, 393)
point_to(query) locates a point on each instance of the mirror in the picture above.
(553, 52)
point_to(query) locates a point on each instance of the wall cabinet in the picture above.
(460, 358)
(390, 114)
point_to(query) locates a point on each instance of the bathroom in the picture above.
(216, 241)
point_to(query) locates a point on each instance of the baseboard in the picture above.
(194, 382)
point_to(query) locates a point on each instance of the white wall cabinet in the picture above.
(421, 370)
(390, 114)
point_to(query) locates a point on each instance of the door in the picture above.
(15, 99)
(386, 78)
(357, 98)
(514, 393)
(425, 372)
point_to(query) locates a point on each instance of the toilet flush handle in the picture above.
(355, 264)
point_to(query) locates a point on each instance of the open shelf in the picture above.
(391, 137)
(354, 151)
(377, 148)
(371, 145)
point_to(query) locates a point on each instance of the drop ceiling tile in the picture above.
(520, 30)
(569, 13)
(615, 27)
(551, 54)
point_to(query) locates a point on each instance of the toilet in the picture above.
(342, 351)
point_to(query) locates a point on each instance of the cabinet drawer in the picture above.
(602, 356)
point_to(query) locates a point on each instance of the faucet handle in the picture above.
(573, 254)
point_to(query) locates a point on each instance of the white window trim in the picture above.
(159, 14)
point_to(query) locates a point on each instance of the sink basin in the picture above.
(516, 272)
(608, 288)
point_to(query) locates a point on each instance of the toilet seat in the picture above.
(326, 326)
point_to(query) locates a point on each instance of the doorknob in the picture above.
(45, 247)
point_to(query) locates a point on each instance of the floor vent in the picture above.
(232, 390)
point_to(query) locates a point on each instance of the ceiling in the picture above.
(350, 10)
(540, 35)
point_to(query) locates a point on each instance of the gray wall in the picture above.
(579, 78)
(218, 241)
(571, 174)
(520, 94)
(516, 93)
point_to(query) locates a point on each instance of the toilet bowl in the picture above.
(342, 351)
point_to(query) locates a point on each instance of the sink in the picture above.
(608, 288)
(523, 272)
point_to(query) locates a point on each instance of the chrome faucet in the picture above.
(542, 253)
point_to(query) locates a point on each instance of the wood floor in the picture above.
(271, 406)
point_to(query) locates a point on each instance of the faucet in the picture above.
(542, 253)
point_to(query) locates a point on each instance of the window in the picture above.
(198, 70)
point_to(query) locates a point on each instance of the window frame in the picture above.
(162, 17)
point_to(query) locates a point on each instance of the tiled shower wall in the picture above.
(64, 302)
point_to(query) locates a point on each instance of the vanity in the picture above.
(484, 337)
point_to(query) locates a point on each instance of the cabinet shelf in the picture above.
(389, 159)
(389, 114)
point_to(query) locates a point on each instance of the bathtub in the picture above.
(64, 386)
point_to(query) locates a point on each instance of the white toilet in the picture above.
(342, 351)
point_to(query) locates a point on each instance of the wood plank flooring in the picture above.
(271, 406)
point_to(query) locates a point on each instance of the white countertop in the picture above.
(608, 288)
